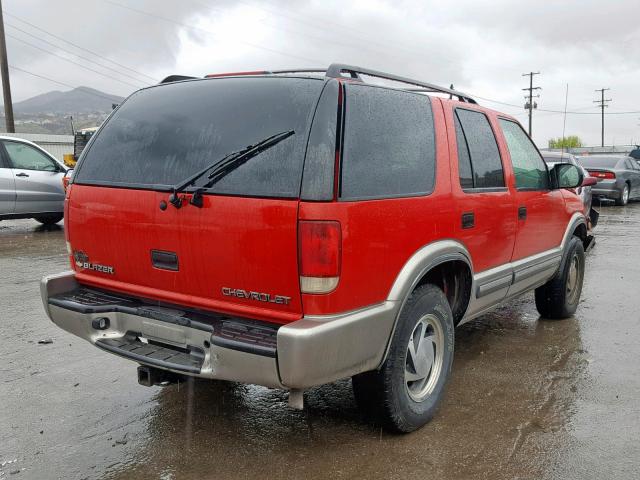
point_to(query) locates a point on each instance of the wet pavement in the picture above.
(528, 399)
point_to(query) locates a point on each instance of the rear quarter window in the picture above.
(389, 144)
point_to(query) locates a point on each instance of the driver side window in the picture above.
(530, 170)
(25, 157)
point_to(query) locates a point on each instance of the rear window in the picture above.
(389, 144)
(160, 136)
(599, 162)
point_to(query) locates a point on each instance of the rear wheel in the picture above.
(49, 219)
(405, 393)
(624, 196)
(559, 297)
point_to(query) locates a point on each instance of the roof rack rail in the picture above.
(301, 70)
(238, 74)
(336, 70)
(176, 78)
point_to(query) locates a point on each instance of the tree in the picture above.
(572, 141)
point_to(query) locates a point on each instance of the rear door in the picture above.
(7, 188)
(38, 179)
(486, 212)
(237, 253)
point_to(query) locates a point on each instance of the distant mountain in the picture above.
(78, 100)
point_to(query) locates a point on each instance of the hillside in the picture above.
(73, 102)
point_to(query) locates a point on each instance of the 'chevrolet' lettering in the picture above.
(257, 296)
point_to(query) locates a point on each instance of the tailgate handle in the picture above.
(164, 260)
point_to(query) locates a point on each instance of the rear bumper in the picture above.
(606, 190)
(305, 353)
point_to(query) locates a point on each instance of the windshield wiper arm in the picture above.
(223, 167)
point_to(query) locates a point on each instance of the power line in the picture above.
(78, 46)
(191, 27)
(71, 61)
(59, 83)
(86, 59)
(602, 103)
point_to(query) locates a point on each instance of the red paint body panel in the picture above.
(235, 242)
(379, 236)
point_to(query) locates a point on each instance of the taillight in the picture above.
(604, 175)
(65, 182)
(319, 255)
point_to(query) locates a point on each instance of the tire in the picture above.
(559, 297)
(49, 219)
(399, 395)
(624, 196)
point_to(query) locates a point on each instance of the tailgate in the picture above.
(235, 254)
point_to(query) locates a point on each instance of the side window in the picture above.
(478, 155)
(389, 144)
(529, 168)
(28, 158)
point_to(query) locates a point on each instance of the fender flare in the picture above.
(418, 265)
(577, 219)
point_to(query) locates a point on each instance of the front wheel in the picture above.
(49, 219)
(624, 196)
(559, 297)
(405, 392)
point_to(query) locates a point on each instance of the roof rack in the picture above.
(336, 70)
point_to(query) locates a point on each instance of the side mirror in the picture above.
(566, 175)
(589, 181)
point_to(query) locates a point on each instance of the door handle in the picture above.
(21, 174)
(522, 213)
(468, 220)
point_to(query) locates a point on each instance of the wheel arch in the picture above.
(447, 264)
(577, 227)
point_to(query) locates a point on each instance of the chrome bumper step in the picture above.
(188, 360)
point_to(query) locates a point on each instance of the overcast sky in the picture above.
(482, 47)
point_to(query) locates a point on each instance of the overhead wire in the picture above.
(71, 61)
(79, 47)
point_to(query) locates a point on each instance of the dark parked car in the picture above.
(618, 177)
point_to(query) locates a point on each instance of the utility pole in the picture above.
(4, 72)
(530, 105)
(602, 103)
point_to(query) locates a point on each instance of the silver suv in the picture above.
(30, 182)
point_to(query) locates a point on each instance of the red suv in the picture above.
(289, 229)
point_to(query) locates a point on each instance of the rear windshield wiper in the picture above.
(222, 167)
